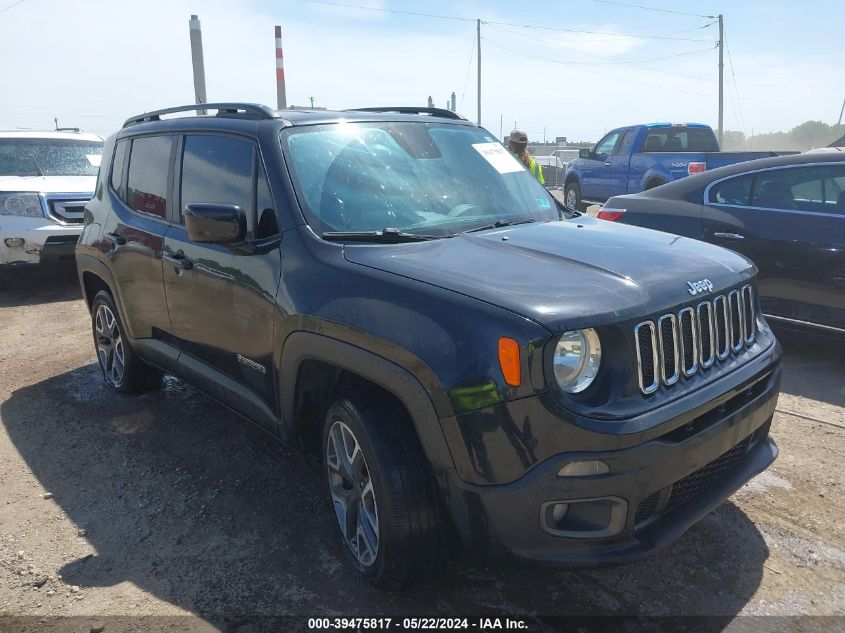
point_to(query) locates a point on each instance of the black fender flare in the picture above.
(301, 346)
(89, 264)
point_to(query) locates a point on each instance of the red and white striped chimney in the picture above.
(281, 97)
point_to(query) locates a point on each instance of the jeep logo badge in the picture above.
(695, 287)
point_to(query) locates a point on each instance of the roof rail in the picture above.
(438, 112)
(223, 109)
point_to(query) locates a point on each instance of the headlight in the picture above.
(577, 359)
(21, 204)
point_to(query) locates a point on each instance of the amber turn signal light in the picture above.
(509, 360)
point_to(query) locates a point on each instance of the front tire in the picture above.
(572, 196)
(382, 492)
(122, 369)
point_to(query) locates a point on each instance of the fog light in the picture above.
(584, 469)
(14, 242)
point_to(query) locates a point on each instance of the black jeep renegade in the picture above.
(473, 363)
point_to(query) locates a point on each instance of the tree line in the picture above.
(808, 135)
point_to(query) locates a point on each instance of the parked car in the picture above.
(787, 214)
(45, 180)
(641, 157)
(394, 293)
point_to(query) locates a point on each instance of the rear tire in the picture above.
(572, 196)
(654, 183)
(122, 369)
(382, 492)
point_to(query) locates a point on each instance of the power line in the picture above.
(12, 6)
(592, 72)
(637, 6)
(469, 66)
(617, 35)
(357, 6)
(523, 26)
(608, 60)
(733, 76)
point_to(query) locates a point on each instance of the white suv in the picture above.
(45, 180)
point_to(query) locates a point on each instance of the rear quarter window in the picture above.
(734, 191)
(117, 165)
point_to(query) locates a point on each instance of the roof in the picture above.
(666, 124)
(838, 142)
(54, 134)
(250, 114)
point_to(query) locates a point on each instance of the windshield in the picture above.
(49, 157)
(424, 178)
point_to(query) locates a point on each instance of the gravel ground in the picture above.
(166, 504)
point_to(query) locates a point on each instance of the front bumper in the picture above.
(652, 493)
(43, 240)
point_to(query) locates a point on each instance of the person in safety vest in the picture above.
(518, 144)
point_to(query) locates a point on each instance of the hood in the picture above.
(565, 275)
(49, 184)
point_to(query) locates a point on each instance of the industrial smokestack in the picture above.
(430, 102)
(281, 97)
(453, 101)
(197, 61)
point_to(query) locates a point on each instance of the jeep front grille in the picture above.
(678, 344)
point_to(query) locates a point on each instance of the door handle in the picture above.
(179, 261)
(115, 238)
(607, 164)
(729, 236)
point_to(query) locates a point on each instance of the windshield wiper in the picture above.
(387, 235)
(498, 224)
(32, 158)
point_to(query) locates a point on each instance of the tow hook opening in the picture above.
(601, 517)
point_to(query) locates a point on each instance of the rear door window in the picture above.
(147, 180)
(626, 142)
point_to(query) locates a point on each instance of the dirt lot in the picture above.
(168, 504)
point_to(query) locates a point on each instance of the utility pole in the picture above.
(501, 131)
(721, 79)
(841, 112)
(478, 44)
(197, 61)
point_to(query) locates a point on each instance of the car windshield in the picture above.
(430, 179)
(49, 157)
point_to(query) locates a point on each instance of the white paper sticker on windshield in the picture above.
(94, 159)
(500, 158)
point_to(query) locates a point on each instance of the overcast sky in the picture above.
(94, 63)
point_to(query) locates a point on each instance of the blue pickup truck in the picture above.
(639, 157)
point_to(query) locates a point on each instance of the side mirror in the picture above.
(215, 223)
(585, 152)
